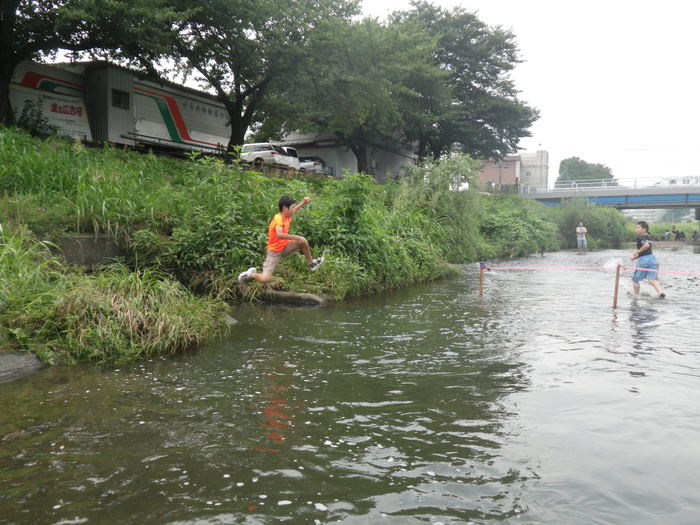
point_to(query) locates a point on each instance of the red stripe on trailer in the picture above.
(32, 79)
(176, 115)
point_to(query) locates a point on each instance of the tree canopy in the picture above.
(483, 115)
(429, 79)
(433, 80)
(129, 29)
(245, 49)
(575, 168)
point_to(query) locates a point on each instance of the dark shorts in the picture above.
(648, 262)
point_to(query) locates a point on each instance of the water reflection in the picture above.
(280, 408)
(643, 317)
(427, 405)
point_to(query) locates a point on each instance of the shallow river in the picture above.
(536, 404)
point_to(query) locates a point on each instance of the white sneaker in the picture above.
(316, 263)
(244, 277)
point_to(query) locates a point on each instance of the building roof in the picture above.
(81, 66)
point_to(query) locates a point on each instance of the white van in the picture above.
(293, 157)
(265, 153)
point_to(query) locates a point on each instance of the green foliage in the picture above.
(429, 76)
(574, 168)
(657, 229)
(116, 315)
(516, 227)
(607, 228)
(204, 221)
(33, 121)
(481, 115)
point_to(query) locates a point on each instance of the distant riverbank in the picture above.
(187, 228)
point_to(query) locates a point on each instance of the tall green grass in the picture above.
(203, 222)
(64, 315)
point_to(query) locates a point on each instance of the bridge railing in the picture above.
(608, 184)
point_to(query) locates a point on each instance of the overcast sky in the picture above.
(616, 82)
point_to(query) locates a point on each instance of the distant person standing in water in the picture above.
(581, 232)
(645, 259)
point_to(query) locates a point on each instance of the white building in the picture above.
(534, 169)
(524, 170)
(383, 161)
(650, 215)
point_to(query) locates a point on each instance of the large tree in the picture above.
(483, 116)
(363, 82)
(129, 29)
(431, 79)
(575, 168)
(242, 49)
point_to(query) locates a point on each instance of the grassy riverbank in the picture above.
(63, 315)
(196, 224)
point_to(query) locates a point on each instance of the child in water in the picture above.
(281, 244)
(645, 259)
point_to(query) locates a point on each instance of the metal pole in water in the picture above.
(617, 285)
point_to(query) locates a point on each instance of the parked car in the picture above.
(314, 165)
(293, 157)
(265, 153)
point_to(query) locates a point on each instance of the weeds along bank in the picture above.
(201, 222)
(66, 316)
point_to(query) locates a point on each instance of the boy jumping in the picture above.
(281, 244)
(645, 259)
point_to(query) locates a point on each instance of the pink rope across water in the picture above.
(544, 267)
(690, 274)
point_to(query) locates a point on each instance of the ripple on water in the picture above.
(535, 404)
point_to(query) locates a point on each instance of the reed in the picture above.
(115, 315)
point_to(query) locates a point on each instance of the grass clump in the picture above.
(66, 316)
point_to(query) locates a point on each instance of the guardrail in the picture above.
(609, 184)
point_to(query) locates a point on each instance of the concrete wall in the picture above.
(384, 164)
(339, 159)
(89, 250)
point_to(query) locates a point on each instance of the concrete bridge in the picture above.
(682, 192)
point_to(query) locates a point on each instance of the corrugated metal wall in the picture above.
(121, 119)
(108, 121)
(96, 100)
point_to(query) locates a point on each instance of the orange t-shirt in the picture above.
(274, 243)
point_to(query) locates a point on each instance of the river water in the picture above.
(535, 404)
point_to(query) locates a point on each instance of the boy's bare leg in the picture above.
(261, 277)
(636, 287)
(303, 247)
(655, 284)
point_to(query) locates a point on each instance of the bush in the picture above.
(607, 228)
(116, 315)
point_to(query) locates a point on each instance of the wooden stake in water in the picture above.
(617, 285)
(481, 280)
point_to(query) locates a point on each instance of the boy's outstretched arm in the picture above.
(295, 207)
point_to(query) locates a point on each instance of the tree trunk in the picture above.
(360, 151)
(8, 62)
(6, 72)
(238, 130)
(239, 126)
